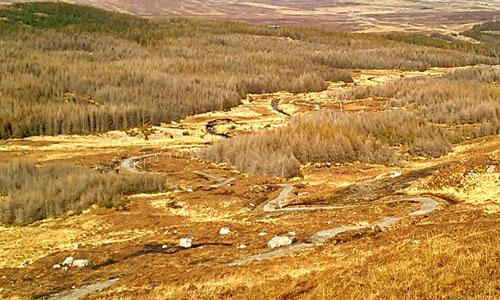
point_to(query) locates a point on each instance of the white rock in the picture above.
(175, 231)
(165, 232)
(397, 174)
(225, 230)
(262, 233)
(242, 246)
(68, 261)
(186, 242)
(75, 247)
(491, 169)
(80, 263)
(292, 233)
(56, 266)
(472, 174)
(164, 247)
(279, 241)
(190, 190)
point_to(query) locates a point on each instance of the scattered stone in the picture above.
(279, 241)
(242, 246)
(80, 263)
(491, 168)
(56, 266)
(472, 174)
(252, 204)
(262, 233)
(164, 247)
(190, 190)
(165, 232)
(68, 261)
(73, 287)
(186, 242)
(397, 174)
(175, 231)
(225, 230)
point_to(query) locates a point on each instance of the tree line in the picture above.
(29, 193)
(141, 71)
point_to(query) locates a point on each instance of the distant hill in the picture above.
(387, 15)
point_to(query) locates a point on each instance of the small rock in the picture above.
(354, 213)
(68, 261)
(73, 287)
(165, 232)
(252, 204)
(80, 263)
(164, 247)
(262, 233)
(397, 174)
(190, 190)
(65, 268)
(292, 233)
(175, 231)
(472, 174)
(186, 242)
(3, 277)
(279, 241)
(491, 169)
(56, 266)
(75, 247)
(242, 246)
(225, 230)
(416, 241)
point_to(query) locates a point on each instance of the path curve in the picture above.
(129, 163)
(274, 105)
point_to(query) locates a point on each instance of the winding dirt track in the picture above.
(278, 204)
(427, 205)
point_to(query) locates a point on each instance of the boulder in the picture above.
(224, 230)
(80, 263)
(68, 261)
(279, 241)
(186, 242)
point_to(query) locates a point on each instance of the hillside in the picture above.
(188, 158)
(360, 15)
(82, 70)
